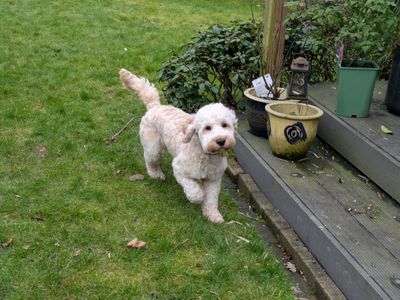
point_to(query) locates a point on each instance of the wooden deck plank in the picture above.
(352, 280)
(374, 245)
(360, 140)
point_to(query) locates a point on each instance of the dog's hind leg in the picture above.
(153, 149)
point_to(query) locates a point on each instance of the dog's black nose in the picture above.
(220, 142)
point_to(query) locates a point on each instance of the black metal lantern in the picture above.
(298, 81)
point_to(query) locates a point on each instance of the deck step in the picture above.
(361, 140)
(349, 224)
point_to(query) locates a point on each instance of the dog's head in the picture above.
(215, 126)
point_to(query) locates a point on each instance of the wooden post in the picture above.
(274, 37)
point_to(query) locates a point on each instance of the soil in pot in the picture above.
(357, 64)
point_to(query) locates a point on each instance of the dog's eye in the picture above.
(208, 128)
(224, 125)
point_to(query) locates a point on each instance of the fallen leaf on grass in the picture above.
(137, 244)
(6, 244)
(77, 252)
(26, 247)
(42, 151)
(386, 130)
(37, 218)
(291, 267)
(136, 177)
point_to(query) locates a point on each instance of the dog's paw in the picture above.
(156, 174)
(215, 217)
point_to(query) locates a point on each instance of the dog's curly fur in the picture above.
(197, 143)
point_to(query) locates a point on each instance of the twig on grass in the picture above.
(115, 135)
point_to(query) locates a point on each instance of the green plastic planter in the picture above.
(354, 88)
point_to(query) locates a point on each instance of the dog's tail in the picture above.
(142, 87)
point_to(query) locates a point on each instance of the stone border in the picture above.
(317, 278)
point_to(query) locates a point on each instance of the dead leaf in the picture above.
(296, 289)
(386, 130)
(6, 244)
(26, 247)
(137, 244)
(291, 267)
(136, 177)
(37, 218)
(77, 252)
(42, 151)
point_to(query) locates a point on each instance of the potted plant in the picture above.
(368, 30)
(296, 91)
(293, 127)
(256, 116)
(267, 88)
(356, 75)
(355, 83)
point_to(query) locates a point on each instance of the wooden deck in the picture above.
(349, 224)
(360, 140)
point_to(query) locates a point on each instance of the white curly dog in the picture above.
(197, 143)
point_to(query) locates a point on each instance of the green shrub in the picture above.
(216, 66)
(368, 29)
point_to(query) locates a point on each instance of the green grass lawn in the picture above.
(65, 197)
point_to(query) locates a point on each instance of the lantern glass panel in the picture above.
(298, 84)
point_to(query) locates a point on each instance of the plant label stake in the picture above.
(260, 88)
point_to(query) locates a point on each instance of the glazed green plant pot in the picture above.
(293, 127)
(257, 118)
(354, 88)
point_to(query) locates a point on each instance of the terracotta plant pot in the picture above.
(293, 127)
(255, 111)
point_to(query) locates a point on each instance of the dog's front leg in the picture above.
(210, 203)
(193, 190)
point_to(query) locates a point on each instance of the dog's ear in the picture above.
(189, 132)
(234, 119)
